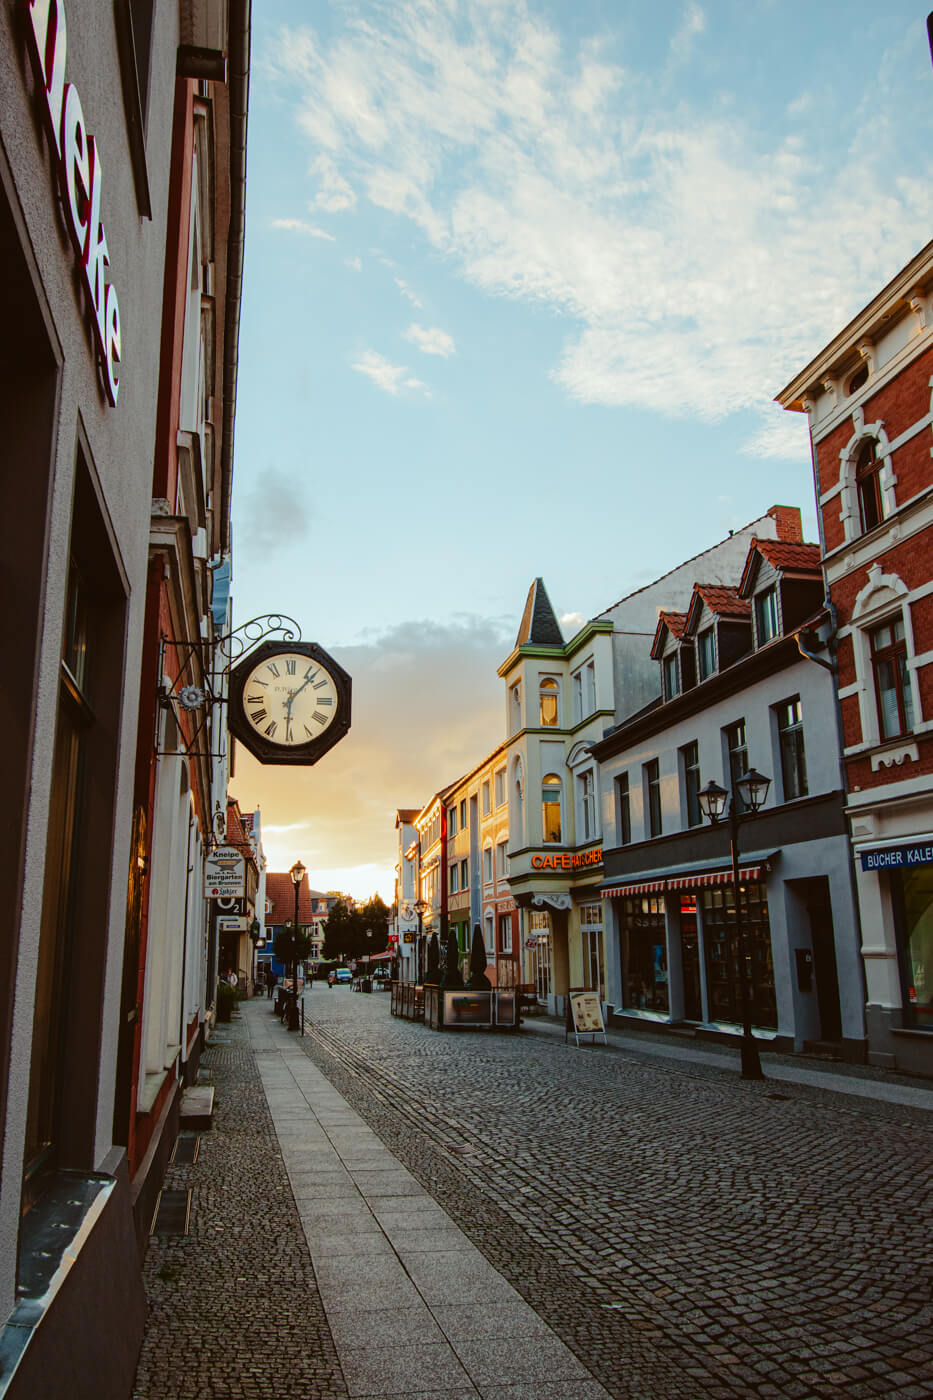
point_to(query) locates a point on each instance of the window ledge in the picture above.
(894, 755)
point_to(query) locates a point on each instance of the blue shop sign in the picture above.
(898, 857)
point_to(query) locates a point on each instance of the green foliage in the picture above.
(345, 933)
(291, 945)
(226, 1001)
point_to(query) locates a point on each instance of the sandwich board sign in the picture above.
(584, 1014)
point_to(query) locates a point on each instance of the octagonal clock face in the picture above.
(289, 702)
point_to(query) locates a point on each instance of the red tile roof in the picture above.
(281, 893)
(789, 556)
(725, 601)
(672, 622)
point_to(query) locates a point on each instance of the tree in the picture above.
(354, 932)
(291, 946)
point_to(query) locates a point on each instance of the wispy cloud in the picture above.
(405, 290)
(277, 509)
(692, 24)
(355, 263)
(299, 226)
(391, 379)
(431, 339)
(696, 261)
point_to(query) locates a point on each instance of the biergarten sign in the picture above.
(225, 874)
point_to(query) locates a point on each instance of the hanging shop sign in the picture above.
(567, 860)
(225, 874)
(898, 857)
(289, 702)
(232, 923)
(80, 173)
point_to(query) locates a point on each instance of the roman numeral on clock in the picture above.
(271, 728)
(274, 669)
(321, 719)
(325, 700)
(319, 686)
(257, 716)
(255, 699)
(290, 666)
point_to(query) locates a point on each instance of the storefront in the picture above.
(679, 954)
(896, 883)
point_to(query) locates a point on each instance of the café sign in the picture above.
(567, 860)
(80, 172)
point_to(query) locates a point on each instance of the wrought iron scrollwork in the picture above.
(201, 686)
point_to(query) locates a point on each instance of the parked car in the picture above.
(344, 975)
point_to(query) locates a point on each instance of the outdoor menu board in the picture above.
(586, 1013)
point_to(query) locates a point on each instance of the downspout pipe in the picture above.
(239, 21)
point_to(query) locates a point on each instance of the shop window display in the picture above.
(644, 955)
(917, 923)
(723, 956)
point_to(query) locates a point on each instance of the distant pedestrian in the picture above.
(331, 978)
(271, 980)
(231, 978)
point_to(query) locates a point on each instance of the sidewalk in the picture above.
(413, 1307)
(862, 1081)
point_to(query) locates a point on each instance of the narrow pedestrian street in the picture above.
(380, 1210)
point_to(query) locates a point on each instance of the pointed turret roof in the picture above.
(539, 626)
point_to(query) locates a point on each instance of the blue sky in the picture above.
(522, 281)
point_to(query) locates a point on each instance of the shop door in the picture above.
(541, 930)
(824, 959)
(690, 959)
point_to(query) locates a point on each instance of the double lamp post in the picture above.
(751, 790)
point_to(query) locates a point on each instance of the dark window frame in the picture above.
(894, 654)
(653, 811)
(868, 486)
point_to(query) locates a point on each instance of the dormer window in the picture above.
(868, 486)
(671, 676)
(767, 625)
(706, 653)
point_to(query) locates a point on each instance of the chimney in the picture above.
(787, 520)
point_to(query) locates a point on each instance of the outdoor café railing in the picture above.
(408, 1000)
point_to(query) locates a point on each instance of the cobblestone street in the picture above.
(686, 1234)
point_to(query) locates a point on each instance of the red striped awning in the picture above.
(646, 887)
(713, 877)
(702, 879)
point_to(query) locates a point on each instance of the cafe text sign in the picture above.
(567, 860)
(81, 175)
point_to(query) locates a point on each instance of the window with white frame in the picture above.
(623, 809)
(789, 717)
(767, 623)
(515, 707)
(517, 817)
(586, 806)
(487, 865)
(550, 807)
(489, 933)
(452, 821)
(591, 933)
(487, 805)
(499, 778)
(465, 874)
(651, 776)
(893, 694)
(706, 653)
(670, 669)
(505, 933)
(584, 691)
(548, 696)
(502, 860)
(454, 872)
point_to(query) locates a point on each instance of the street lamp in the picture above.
(752, 788)
(420, 907)
(296, 875)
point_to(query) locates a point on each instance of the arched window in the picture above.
(517, 818)
(550, 807)
(868, 486)
(548, 695)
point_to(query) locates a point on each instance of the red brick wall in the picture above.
(900, 404)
